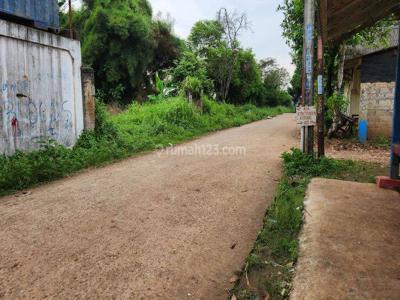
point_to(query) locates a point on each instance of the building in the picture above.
(369, 80)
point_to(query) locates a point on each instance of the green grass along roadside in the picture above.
(138, 129)
(269, 269)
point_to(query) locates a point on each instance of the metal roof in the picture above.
(342, 18)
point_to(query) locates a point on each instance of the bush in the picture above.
(297, 163)
(191, 66)
(192, 86)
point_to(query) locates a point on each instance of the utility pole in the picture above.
(321, 96)
(308, 72)
(71, 33)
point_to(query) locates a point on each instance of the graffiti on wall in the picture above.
(40, 89)
(26, 120)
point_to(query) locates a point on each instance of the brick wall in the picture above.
(376, 106)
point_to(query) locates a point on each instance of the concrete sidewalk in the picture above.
(350, 243)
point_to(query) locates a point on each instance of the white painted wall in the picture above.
(40, 88)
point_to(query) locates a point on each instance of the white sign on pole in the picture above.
(306, 115)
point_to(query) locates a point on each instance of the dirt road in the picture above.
(160, 226)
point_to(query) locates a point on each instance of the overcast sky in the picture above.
(265, 37)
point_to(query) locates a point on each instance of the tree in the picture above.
(205, 35)
(236, 75)
(274, 76)
(232, 25)
(167, 49)
(217, 42)
(275, 80)
(190, 65)
(247, 85)
(124, 45)
(117, 42)
(219, 65)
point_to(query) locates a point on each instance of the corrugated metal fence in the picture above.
(42, 13)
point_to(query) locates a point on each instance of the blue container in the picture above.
(41, 13)
(363, 131)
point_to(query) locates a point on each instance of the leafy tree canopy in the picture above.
(205, 35)
(125, 45)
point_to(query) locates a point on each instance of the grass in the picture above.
(139, 128)
(269, 267)
(381, 142)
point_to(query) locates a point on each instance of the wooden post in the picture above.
(321, 93)
(303, 129)
(89, 100)
(308, 71)
(71, 33)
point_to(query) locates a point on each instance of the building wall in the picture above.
(40, 88)
(376, 106)
(378, 75)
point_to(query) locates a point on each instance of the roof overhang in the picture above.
(342, 18)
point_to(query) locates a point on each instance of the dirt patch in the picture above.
(159, 226)
(352, 150)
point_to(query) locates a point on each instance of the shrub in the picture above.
(192, 86)
(335, 104)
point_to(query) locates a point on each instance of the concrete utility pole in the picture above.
(321, 96)
(307, 132)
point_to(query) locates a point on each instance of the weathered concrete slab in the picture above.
(350, 243)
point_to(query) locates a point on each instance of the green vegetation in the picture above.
(269, 267)
(382, 142)
(335, 106)
(139, 128)
(127, 46)
(236, 76)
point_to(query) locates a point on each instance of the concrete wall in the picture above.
(376, 106)
(40, 88)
